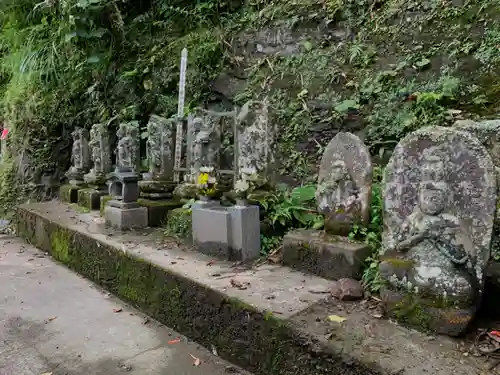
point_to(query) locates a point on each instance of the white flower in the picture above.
(206, 169)
(241, 186)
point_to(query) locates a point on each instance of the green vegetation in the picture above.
(384, 68)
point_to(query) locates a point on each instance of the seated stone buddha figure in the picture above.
(437, 246)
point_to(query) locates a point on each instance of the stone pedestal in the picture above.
(245, 233)
(426, 314)
(124, 216)
(123, 212)
(90, 198)
(69, 193)
(157, 197)
(325, 255)
(231, 233)
(158, 210)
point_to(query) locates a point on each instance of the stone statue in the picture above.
(100, 154)
(206, 140)
(160, 147)
(439, 201)
(344, 184)
(128, 158)
(80, 157)
(256, 140)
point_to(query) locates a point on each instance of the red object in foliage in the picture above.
(495, 333)
(4, 134)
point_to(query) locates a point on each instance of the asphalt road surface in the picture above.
(53, 321)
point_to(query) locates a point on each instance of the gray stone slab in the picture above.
(211, 227)
(122, 205)
(245, 232)
(329, 256)
(123, 219)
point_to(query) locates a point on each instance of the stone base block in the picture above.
(245, 232)
(211, 230)
(427, 315)
(158, 210)
(123, 219)
(90, 198)
(319, 253)
(104, 202)
(69, 193)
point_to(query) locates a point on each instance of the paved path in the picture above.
(53, 321)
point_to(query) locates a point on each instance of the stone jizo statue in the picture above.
(344, 184)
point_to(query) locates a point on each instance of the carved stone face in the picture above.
(339, 171)
(434, 166)
(432, 199)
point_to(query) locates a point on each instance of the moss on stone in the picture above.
(68, 193)
(104, 200)
(159, 203)
(60, 241)
(405, 264)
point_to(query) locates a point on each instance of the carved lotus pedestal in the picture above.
(157, 197)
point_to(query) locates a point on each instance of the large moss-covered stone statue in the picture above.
(439, 203)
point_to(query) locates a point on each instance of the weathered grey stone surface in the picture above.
(127, 150)
(211, 228)
(100, 152)
(126, 218)
(487, 132)
(206, 135)
(80, 157)
(245, 232)
(160, 148)
(256, 140)
(231, 233)
(439, 203)
(325, 255)
(344, 183)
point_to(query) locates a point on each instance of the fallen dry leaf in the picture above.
(336, 318)
(211, 262)
(174, 341)
(117, 310)
(52, 318)
(377, 316)
(47, 373)
(196, 361)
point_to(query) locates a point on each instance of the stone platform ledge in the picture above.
(277, 325)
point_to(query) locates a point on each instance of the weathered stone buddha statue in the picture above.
(344, 184)
(439, 201)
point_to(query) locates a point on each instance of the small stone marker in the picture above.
(439, 204)
(344, 184)
(80, 158)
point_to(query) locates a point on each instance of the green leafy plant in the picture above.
(372, 235)
(291, 208)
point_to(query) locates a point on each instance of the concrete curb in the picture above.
(245, 327)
